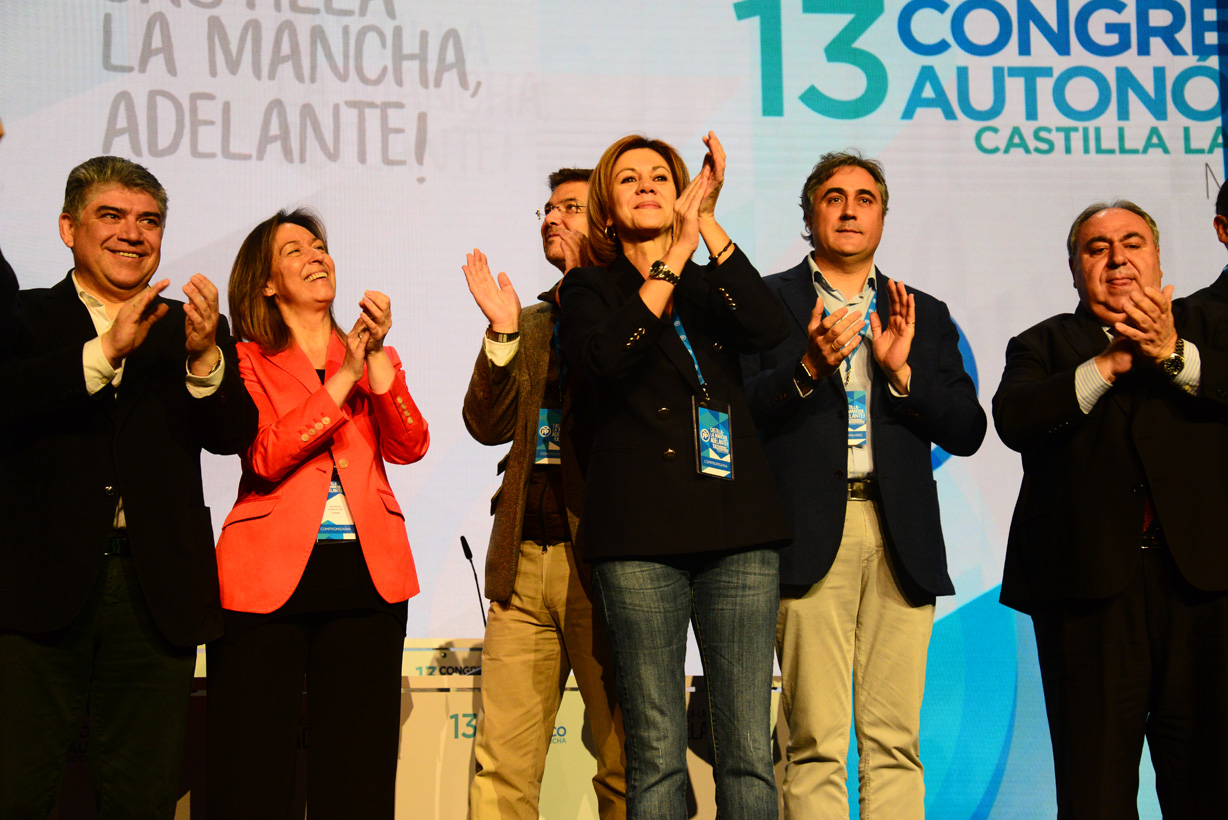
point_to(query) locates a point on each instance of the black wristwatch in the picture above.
(802, 375)
(1175, 363)
(660, 270)
(496, 336)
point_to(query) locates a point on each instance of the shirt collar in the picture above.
(820, 281)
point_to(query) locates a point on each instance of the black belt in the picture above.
(863, 489)
(118, 544)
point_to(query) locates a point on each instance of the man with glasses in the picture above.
(541, 623)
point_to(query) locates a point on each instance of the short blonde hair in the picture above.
(602, 246)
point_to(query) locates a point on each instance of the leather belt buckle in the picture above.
(863, 489)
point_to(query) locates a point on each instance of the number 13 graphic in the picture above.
(839, 50)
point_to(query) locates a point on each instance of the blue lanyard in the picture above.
(687, 344)
(558, 354)
(865, 332)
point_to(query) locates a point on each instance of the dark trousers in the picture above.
(1151, 661)
(352, 661)
(112, 661)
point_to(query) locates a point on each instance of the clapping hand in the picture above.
(376, 318)
(892, 344)
(133, 322)
(499, 302)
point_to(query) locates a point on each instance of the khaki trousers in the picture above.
(545, 631)
(852, 647)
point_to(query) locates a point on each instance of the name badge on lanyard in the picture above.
(713, 438)
(857, 417)
(549, 435)
(713, 431)
(338, 523)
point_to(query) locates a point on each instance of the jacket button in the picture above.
(1137, 489)
(305, 437)
(108, 491)
(326, 420)
(663, 413)
(343, 464)
(669, 454)
(319, 425)
(716, 347)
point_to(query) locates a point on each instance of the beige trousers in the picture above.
(852, 647)
(546, 630)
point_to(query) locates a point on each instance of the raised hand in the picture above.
(831, 339)
(499, 302)
(200, 322)
(686, 212)
(575, 249)
(1149, 323)
(133, 322)
(377, 317)
(714, 162)
(893, 343)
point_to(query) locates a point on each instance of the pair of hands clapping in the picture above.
(1147, 334)
(832, 339)
(697, 202)
(138, 315)
(365, 340)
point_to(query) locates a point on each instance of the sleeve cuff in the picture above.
(1190, 377)
(98, 371)
(500, 353)
(202, 386)
(907, 387)
(1089, 385)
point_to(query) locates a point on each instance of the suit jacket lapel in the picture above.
(1087, 337)
(295, 362)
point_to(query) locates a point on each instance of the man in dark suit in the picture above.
(848, 423)
(10, 311)
(1218, 290)
(109, 580)
(1117, 545)
(542, 624)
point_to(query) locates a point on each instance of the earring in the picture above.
(610, 233)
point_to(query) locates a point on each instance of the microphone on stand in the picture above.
(469, 557)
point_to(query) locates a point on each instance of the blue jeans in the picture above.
(731, 599)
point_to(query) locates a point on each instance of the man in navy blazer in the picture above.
(1217, 291)
(848, 410)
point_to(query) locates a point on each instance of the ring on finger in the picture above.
(835, 345)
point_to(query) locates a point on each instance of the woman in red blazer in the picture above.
(314, 562)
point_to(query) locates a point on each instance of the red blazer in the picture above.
(303, 434)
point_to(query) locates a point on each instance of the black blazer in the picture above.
(1217, 291)
(1077, 524)
(807, 443)
(644, 496)
(10, 310)
(66, 456)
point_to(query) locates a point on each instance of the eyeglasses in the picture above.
(568, 209)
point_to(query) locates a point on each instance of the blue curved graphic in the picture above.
(938, 456)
